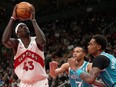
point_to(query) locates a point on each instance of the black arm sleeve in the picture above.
(101, 62)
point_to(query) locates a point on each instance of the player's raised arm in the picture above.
(40, 37)
(6, 38)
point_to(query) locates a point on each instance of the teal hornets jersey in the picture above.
(75, 81)
(108, 75)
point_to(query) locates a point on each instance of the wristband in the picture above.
(33, 20)
(79, 71)
(13, 18)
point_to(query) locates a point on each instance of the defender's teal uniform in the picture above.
(75, 81)
(108, 75)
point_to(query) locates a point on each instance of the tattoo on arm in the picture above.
(91, 76)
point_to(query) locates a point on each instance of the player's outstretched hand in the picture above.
(73, 63)
(53, 66)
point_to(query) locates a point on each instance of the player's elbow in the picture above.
(4, 42)
(7, 44)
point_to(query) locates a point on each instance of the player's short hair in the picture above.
(101, 40)
(83, 49)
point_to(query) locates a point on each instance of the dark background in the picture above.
(51, 10)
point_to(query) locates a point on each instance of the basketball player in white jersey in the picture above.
(28, 52)
(78, 54)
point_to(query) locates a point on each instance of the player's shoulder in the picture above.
(101, 58)
(14, 41)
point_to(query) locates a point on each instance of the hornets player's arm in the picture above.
(63, 69)
(96, 82)
(55, 70)
(99, 63)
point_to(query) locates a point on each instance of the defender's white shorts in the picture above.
(40, 83)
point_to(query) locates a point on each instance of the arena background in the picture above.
(66, 23)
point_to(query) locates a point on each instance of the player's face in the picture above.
(23, 31)
(78, 53)
(93, 47)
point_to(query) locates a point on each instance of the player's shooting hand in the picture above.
(32, 17)
(14, 15)
(73, 63)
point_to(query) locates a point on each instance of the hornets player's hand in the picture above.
(53, 66)
(73, 63)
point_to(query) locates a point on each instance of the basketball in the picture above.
(23, 10)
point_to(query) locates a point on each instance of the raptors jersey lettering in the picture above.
(29, 62)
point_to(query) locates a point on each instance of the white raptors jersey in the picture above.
(29, 62)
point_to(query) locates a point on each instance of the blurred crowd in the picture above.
(62, 36)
